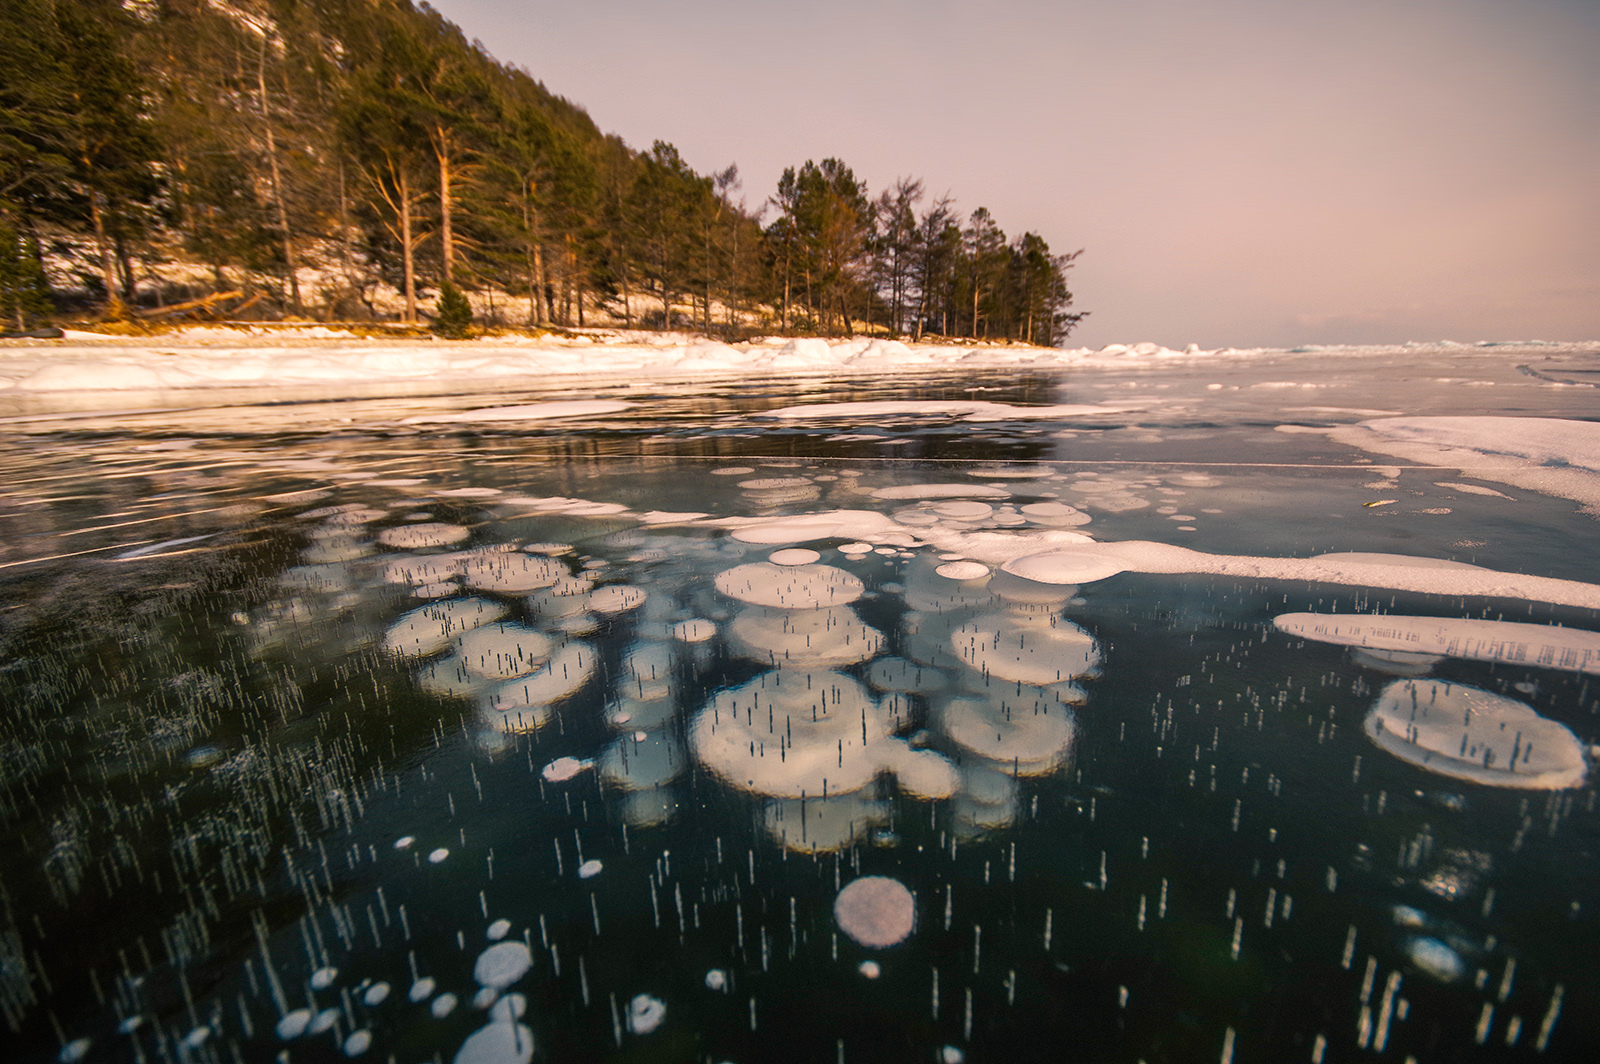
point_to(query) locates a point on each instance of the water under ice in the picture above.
(374, 728)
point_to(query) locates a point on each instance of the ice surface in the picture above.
(524, 412)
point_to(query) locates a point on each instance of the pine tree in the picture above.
(455, 313)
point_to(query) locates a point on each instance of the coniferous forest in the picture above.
(361, 161)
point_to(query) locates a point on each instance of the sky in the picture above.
(1238, 172)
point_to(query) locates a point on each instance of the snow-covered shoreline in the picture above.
(212, 357)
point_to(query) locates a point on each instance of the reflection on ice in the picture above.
(1470, 734)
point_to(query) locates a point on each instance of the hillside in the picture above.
(354, 160)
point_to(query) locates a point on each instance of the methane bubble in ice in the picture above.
(358, 1043)
(589, 869)
(564, 768)
(404, 842)
(503, 651)
(1513, 642)
(443, 1005)
(497, 1043)
(823, 825)
(716, 979)
(498, 930)
(1029, 733)
(963, 570)
(795, 735)
(898, 674)
(870, 969)
(438, 856)
(1436, 958)
(800, 587)
(941, 491)
(616, 598)
(1031, 649)
(794, 556)
(323, 978)
(568, 669)
(428, 534)
(376, 994)
(485, 997)
(502, 964)
(422, 989)
(294, 1024)
(809, 638)
(1471, 734)
(509, 1009)
(694, 631)
(876, 911)
(645, 1013)
(512, 574)
(1063, 567)
(429, 629)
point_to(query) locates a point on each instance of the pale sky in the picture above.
(1239, 172)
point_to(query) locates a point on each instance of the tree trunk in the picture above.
(115, 308)
(407, 252)
(290, 265)
(447, 238)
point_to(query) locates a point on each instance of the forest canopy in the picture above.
(353, 160)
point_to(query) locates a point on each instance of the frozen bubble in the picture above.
(294, 1024)
(323, 978)
(898, 674)
(564, 768)
(775, 483)
(923, 773)
(196, 1038)
(376, 994)
(951, 1055)
(404, 842)
(876, 911)
(645, 1013)
(485, 997)
(1030, 733)
(794, 556)
(1514, 642)
(824, 727)
(716, 979)
(644, 760)
(429, 629)
(732, 471)
(74, 1050)
(1436, 958)
(503, 651)
(789, 587)
(438, 855)
(324, 1021)
(502, 964)
(427, 534)
(497, 1043)
(820, 638)
(568, 669)
(1471, 734)
(422, 989)
(551, 549)
(616, 598)
(963, 570)
(358, 1043)
(509, 1009)
(498, 930)
(443, 1005)
(589, 869)
(1063, 567)
(941, 491)
(1033, 649)
(856, 548)
(133, 1023)
(870, 969)
(696, 630)
(512, 574)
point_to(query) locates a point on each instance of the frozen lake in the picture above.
(1229, 706)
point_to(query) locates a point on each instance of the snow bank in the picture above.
(213, 356)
